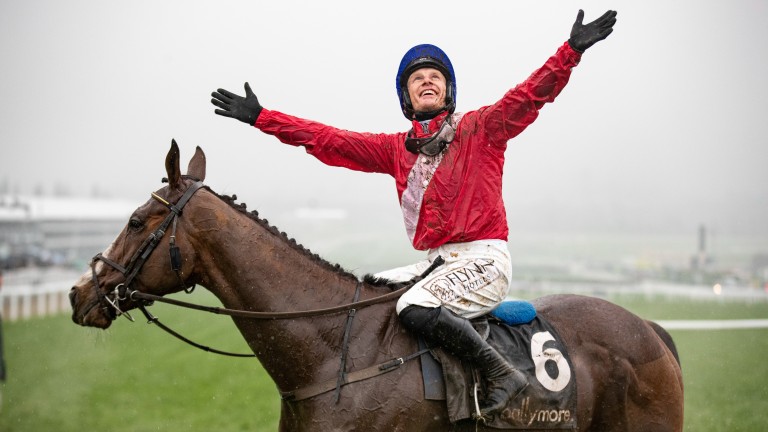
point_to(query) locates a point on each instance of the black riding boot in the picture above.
(457, 336)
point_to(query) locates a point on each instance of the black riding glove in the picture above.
(246, 109)
(584, 36)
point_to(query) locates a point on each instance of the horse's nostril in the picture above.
(73, 302)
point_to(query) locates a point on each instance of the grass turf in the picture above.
(134, 377)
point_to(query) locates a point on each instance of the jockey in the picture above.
(447, 170)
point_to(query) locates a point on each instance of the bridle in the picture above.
(110, 301)
(122, 292)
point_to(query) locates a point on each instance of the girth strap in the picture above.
(362, 374)
(345, 344)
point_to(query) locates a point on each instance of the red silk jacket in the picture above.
(456, 195)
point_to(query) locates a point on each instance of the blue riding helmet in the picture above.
(420, 56)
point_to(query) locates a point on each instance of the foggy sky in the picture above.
(661, 128)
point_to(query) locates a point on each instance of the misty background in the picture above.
(662, 128)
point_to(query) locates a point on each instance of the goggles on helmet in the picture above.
(431, 145)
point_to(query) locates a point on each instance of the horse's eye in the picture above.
(135, 224)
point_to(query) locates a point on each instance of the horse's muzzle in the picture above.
(88, 312)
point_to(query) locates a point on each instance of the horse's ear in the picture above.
(172, 165)
(196, 167)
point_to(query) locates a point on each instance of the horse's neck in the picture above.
(249, 267)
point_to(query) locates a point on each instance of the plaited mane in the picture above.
(254, 215)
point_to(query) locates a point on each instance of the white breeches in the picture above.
(474, 279)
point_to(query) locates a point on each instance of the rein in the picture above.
(350, 308)
(138, 295)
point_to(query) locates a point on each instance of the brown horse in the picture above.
(628, 378)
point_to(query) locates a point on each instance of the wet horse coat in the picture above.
(628, 378)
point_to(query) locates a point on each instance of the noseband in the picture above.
(111, 301)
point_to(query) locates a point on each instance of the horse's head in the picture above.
(152, 254)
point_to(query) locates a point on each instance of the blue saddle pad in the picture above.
(513, 312)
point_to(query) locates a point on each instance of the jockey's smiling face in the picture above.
(426, 87)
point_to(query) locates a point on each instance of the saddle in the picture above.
(529, 344)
